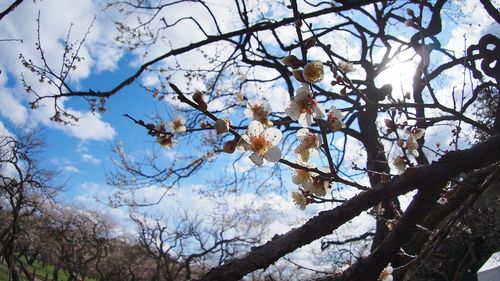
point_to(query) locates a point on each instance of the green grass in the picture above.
(40, 272)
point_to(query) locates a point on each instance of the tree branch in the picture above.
(425, 176)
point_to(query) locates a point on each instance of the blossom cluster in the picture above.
(409, 145)
(165, 132)
(262, 139)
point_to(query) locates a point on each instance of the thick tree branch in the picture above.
(448, 167)
(492, 11)
(10, 8)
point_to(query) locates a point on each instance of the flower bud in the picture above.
(222, 126)
(198, 98)
(230, 146)
(310, 42)
(410, 12)
(389, 123)
(292, 61)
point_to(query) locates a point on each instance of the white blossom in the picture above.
(303, 107)
(262, 143)
(299, 199)
(309, 144)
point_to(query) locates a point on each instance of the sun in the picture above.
(400, 75)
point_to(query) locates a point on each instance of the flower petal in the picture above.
(313, 152)
(257, 159)
(419, 133)
(304, 155)
(305, 119)
(246, 138)
(319, 111)
(273, 154)
(248, 112)
(335, 112)
(414, 152)
(302, 133)
(273, 135)
(255, 128)
(243, 143)
(302, 92)
(300, 148)
(293, 111)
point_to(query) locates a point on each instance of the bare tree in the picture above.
(25, 187)
(79, 240)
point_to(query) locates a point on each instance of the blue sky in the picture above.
(84, 150)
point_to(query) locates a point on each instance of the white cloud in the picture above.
(3, 130)
(54, 26)
(86, 156)
(71, 169)
(11, 108)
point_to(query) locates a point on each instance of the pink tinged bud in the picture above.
(198, 98)
(222, 126)
(292, 61)
(310, 42)
(230, 146)
(410, 12)
(389, 124)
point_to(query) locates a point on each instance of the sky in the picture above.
(83, 150)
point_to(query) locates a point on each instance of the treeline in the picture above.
(84, 243)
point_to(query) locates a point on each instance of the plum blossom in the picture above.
(346, 67)
(309, 144)
(442, 200)
(399, 163)
(313, 71)
(166, 141)
(259, 110)
(411, 142)
(304, 177)
(262, 143)
(319, 186)
(334, 119)
(177, 125)
(299, 199)
(386, 274)
(304, 106)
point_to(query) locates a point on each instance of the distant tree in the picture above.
(25, 186)
(77, 241)
(185, 246)
(290, 51)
